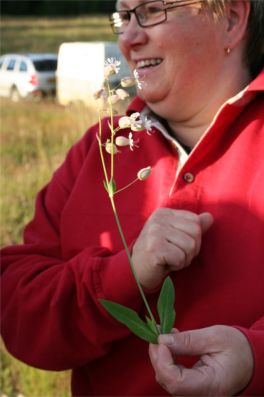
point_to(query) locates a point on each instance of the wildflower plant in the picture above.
(148, 330)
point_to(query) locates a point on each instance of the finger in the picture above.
(174, 258)
(178, 380)
(162, 362)
(188, 244)
(179, 219)
(153, 353)
(166, 223)
(192, 229)
(192, 343)
(206, 221)
(169, 213)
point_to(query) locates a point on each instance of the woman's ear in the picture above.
(237, 15)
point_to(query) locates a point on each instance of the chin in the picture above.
(150, 97)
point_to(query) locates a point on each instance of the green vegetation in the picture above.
(18, 379)
(35, 137)
(46, 34)
(34, 140)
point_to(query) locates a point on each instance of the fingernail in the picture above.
(166, 339)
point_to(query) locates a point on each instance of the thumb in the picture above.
(190, 343)
(206, 221)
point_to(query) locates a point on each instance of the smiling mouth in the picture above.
(145, 63)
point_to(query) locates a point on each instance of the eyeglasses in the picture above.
(147, 14)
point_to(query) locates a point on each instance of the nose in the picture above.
(133, 34)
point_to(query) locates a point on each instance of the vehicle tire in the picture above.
(14, 95)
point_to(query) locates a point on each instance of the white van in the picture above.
(80, 71)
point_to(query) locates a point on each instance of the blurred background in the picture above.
(37, 127)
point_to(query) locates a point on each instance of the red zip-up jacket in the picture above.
(72, 253)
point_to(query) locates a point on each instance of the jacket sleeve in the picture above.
(51, 315)
(255, 336)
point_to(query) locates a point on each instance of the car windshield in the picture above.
(45, 65)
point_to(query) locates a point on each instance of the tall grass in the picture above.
(34, 140)
(18, 379)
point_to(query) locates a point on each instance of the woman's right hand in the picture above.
(168, 242)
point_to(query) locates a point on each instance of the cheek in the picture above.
(192, 49)
(122, 48)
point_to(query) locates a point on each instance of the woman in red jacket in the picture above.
(198, 217)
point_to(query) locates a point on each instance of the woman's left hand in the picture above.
(225, 366)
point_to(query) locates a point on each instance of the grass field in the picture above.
(46, 35)
(35, 137)
(34, 140)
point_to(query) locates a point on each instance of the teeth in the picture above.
(148, 62)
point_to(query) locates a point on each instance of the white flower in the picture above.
(137, 125)
(128, 121)
(124, 122)
(144, 173)
(111, 147)
(118, 95)
(124, 141)
(147, 125)
(128, 82)
(142, 124)
(138, 82)
(134, 116)
(111, 67)
(122, 93)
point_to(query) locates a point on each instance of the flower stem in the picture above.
(131, 265)
(125, 187)
(112, 131)
(101, 152)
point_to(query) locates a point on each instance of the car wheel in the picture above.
(14, 95)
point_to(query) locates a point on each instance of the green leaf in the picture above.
(166, 306)
(110, 187)
(151, 325)
(131, 319)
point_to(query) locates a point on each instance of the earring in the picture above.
(227, 50)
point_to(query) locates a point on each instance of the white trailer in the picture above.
(80, 70)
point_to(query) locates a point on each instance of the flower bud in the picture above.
(134, 116)
(144, 173)
(110, 147)
(124, 122)
(110, 70)
(137, 126)
(128, 82)
(122, 141)
(99, 93)
(122, 93)
(138, 82)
